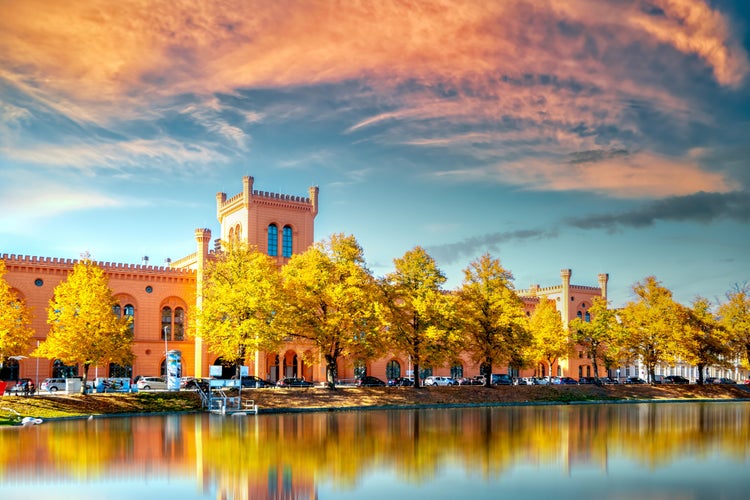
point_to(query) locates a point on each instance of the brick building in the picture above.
(161, 299)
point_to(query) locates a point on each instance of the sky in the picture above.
(602, 136)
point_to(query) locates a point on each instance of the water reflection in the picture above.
(642, 450)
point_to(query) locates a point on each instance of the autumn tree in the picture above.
(419, 314)
(242, 299)
(599, 336)
(83, 326)
(702, 340)
(332, 302)
(735, 318)
(491, 316)
(651, 323)
(549, 340)
(15, 321)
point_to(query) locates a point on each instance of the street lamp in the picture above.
(166, 355)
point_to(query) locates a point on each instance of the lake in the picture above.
(635, 451)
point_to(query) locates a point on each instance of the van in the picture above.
(53, 384)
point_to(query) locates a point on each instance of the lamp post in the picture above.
(166, 355)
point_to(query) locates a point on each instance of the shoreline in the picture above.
(276, 401)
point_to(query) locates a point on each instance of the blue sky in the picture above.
(601, 136)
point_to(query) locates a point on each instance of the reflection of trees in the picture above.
(250, 453)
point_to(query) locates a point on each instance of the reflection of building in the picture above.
(161, 299)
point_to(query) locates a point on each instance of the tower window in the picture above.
(287, 242)
(273, 240)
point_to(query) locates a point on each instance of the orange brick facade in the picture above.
(163, 299)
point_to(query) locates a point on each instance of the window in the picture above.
(587, 317)
(179, 323)
(425, 372)
(61, 370)
(118, 371)
(166, 323)
(579, 315)
(286, 243)
(392, 369)
(457, 372)
(130, 313)
(172, 323)
(273, 240)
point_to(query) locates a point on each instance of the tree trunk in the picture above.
(488, 372)
(85, 377)
(331, 371)
(701, 367)
(417, 382)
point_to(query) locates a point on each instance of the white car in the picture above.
(53, 384)
(149, 383)
(438, 380)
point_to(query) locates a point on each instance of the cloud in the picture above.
(471, 247)
(37, 199)
(700, 207)
(612, 172)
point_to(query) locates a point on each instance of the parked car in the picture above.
(370, 381)
(587, 380)
(23, 386)
(540, 380)
(634, 380)
(53, 384)
(401, 382)
(293, 382)
(195, 384)
(151, 383)
(568, 381)
(609, 380)
(725, 380)
(501, 379)
(253, 382)
(675, 379)
(438, 380)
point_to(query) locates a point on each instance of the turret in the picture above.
(603, 279)
(314, 190)
(565, 299)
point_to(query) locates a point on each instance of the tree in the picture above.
(242, 299)
(491, 315)
(419, 315)
(651, 324)
(83, 326)
(703, 340)
(735, 317)
(15, 321)
(332, 302)
(549, 340)
(597, 337)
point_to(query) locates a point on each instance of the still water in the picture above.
(635, 451)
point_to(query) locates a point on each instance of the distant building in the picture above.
(162, 299)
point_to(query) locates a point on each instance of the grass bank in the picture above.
(76, 405)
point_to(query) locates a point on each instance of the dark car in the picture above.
(370, 381)
(568, 381)
(501, 379)
(253, 382)
(293, 382)
(675, 379)
(587, 380)
(724, 380)
(401, 382)
(196, 383)
(634, 380)
(24, 386)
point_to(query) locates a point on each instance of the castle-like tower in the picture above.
(279, 225)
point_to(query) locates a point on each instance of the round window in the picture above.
(149, 289)
(38, 282)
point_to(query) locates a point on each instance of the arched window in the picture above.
(286, 242)
(117, 310)
(10, 370)
(61, 370)
(238, 232)
(273, 240)
(457, 372)
(587, 317)
(179, 323)
(392, 369)
(579, 315)
(166, 323)
(130, 313)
